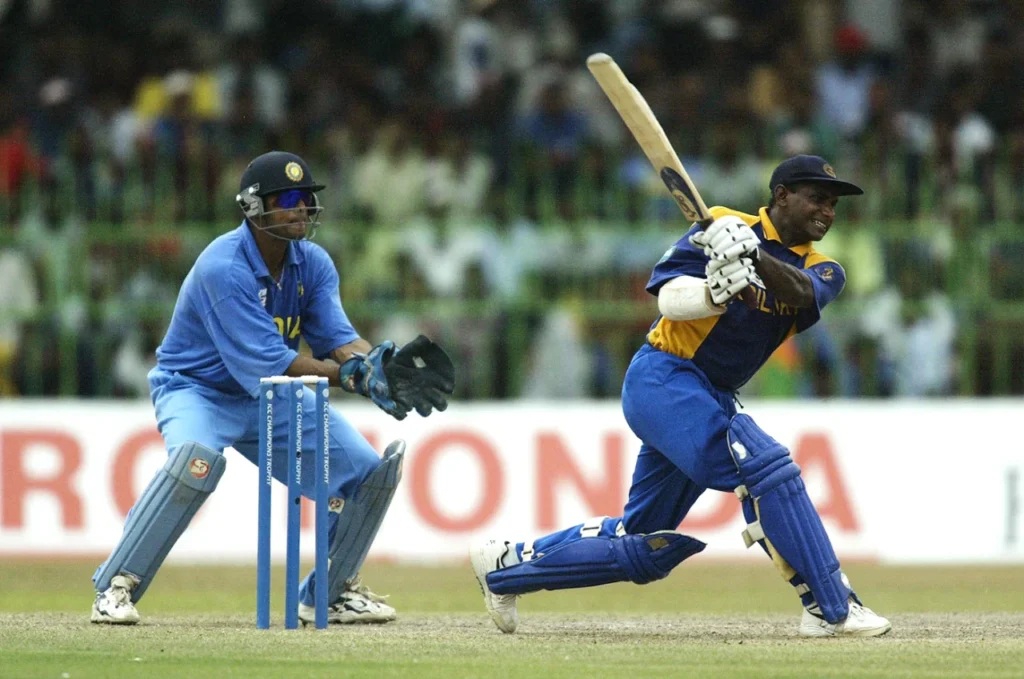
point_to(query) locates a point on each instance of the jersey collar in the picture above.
(771, 234)
(293, 257)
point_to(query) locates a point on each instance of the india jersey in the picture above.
(729, 348)
(233, 323)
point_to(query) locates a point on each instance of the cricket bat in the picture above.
(634, 111)
(637, 114)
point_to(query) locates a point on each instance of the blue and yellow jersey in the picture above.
(729, 348)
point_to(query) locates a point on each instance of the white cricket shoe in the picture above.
(356, 605)
(114, 606)
(860, 622)
(502, 607)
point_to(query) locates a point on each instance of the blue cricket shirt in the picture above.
(233, 323)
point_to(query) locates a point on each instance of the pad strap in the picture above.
(753, 533)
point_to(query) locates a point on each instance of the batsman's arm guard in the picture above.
(161, 515)
(361, 517)
(782, 519)
(591, 561)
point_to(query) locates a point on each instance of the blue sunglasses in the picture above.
(289, 199)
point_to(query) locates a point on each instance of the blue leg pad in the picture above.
(781, 517)
(161, 515)
(597, 561)
(359, 521)
(802, 590)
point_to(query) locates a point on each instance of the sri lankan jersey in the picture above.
(233, 323)
(729, 348)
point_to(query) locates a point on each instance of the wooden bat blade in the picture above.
(642, 123)
(645, 128)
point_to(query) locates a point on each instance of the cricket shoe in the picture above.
(356, 605)
(502, 607)
(114, 606)
(860, 622)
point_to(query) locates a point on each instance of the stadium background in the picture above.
(480, 188)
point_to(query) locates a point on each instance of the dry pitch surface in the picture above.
(707, 619)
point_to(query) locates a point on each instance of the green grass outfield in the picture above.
(706, 619)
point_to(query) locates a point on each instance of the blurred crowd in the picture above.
(482, 190)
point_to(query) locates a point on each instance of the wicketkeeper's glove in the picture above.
(419, 377)
(364, 374)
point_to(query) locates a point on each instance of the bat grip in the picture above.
(749, 297)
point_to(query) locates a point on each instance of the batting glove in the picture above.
(726, 279)
(728, 238)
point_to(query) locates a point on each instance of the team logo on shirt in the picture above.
(294, 171)
(668, 253)
(263, 297)
(826, 273)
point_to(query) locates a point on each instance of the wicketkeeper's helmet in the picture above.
(281, 173)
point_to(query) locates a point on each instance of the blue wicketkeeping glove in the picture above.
(364, 374)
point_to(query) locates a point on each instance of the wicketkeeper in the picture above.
(249, 298)
(679, 399)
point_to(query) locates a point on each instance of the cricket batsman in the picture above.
(679, 397)
(242, 309)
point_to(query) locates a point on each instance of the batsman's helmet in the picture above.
(278, 172)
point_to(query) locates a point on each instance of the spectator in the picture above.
(843, 85)
(803, 129)
(443, 252)
(247, 80)
(477, 52)
(54, 125)
(134, 358)
(958, 36)
(20, 300)
(17, 158)
(110, 132)
(914, 324)
(459, 179)
(733, 174)
(555, 135)
(558, 365)
(389, 183)
(965, 144)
